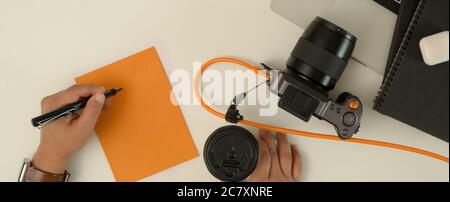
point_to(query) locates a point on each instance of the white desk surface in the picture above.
(44, 44)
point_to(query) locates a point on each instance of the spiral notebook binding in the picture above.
(384, 90)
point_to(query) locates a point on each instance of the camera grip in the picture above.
(345, 114)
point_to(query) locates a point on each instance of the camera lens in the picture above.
(322, 53)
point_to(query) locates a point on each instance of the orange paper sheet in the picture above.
(142, 132)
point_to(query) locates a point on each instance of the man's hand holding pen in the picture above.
(63, 137)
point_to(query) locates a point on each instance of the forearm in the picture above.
(46, 160)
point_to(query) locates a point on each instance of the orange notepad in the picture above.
(142, 132)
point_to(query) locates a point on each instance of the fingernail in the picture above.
(100, 98)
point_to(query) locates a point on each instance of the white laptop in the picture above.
(370, 22)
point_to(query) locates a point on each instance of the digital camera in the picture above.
(313, 70)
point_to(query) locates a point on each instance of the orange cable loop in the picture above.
(296, 132)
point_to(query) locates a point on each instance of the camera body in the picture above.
(304, 100)
(313, 69)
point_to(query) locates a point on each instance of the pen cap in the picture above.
(231, 153)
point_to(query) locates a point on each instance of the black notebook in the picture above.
(405, 14)
(413, 92)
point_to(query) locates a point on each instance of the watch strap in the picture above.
(32, 174)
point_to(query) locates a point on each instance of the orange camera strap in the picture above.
(297, 132)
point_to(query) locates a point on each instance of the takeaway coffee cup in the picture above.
(231, 153)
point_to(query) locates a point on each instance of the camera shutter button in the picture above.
(349, 119)
(354, 105)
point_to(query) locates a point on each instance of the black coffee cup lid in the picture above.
(231, 153)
